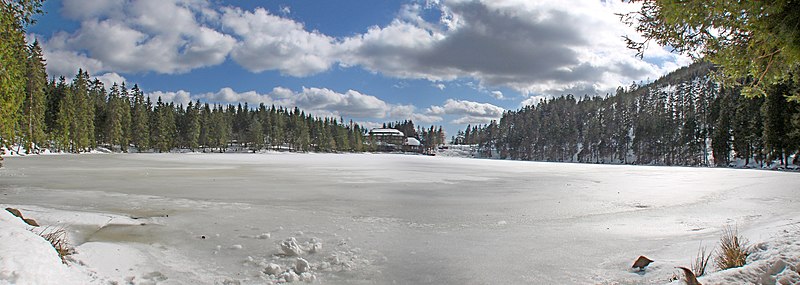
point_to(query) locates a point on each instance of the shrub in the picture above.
(58, 238)
(733, 249)
(701, 261)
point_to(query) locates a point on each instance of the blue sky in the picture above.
(446, 62)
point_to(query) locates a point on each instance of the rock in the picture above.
(301, 265)
(641, 262)
(690, 278)
(31, 222)
(236, 246)
(291, 248)
(14, 212)
(273, 269)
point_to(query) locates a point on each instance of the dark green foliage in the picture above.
(117, 126)
(162, 126)
(759, 40)
(255, 135)
(14, 56)
(33, 110)
(140, 120)
(778, 129)
(683, 118)
(79, 115)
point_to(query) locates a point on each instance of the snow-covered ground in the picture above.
(370, 218)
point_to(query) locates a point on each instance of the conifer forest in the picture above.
(684, 118)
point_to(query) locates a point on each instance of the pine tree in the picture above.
(13, 56)
(163, 126)
(140, 120)
(721, 137)
(192, 125)
(777, 114)
(219, 129)
(34, 106)
(748, 128)
(97, 92)
(64, 118)
(114, 119)
(277, 133)
(255, 135)
(82, 132)
(204, 139)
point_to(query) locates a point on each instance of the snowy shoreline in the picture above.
(26, 258)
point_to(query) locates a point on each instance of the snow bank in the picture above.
(26, 258)
(776, 261)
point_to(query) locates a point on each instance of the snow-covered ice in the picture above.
(368, 218)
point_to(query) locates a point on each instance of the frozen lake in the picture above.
(399, 219)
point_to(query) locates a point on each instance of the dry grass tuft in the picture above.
(57, 236)
(733, 249)
(701, 261)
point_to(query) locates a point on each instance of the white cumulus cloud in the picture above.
(467, 111)
(532, 47)
(138, 36)
(270, 42)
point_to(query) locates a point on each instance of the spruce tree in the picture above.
(255, 135)
(192, 125)
(82, 133)
(777, 114)
(98, 94)
(64, 121)
(35, 99)
(140, 120)
(114, 119)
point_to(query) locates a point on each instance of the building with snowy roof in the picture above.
(387, 139)
(412, 145)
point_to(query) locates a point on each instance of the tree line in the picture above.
(81, 114)
(684, 118)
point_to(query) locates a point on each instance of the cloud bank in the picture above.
(350, 104)
(533, 47)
